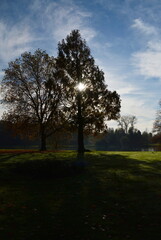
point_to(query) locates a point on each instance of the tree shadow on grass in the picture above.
(128, 196)
(47, 169)
(115, 198)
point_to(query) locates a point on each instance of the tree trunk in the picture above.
(80, 126)
(42, 139)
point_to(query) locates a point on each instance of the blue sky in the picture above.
(124, 37)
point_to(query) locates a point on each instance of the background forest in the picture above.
(112, 140)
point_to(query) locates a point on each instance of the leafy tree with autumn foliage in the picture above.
(90, 109)
(32, 92)
(42, 94)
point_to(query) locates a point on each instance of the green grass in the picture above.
(117, 196)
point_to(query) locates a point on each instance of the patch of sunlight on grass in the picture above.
(146, 167)
(150, 169)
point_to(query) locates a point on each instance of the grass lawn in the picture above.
(117, 196)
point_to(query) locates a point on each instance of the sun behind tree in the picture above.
(89, 109)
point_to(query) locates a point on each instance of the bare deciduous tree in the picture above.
(126, 122)
(157, 122)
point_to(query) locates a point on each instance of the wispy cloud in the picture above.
(14, 40)
(119, 82)
(144, 28)
(45, 21)
(59, 18)
(137, 106)
(136, 95)
(147, 60)
(132, 9)
(147, 63)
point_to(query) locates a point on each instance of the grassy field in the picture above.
(47, 196)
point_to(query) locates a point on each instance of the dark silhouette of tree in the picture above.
(32, 92)
(147, 139)
(157, 127)
(157, 122)
(126, 122)
(88, 110)
(135, 138)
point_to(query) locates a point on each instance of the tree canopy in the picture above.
(32, 105)
(42, 94)
(98, 104)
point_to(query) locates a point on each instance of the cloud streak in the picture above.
(144, 27)
(60, 18)
(14, 40)
(46, 21)
(147, 63)
(147, 60)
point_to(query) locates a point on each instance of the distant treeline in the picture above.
(9, 140)
(118, 140)
(112, 140)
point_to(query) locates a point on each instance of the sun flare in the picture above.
(81, 87)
